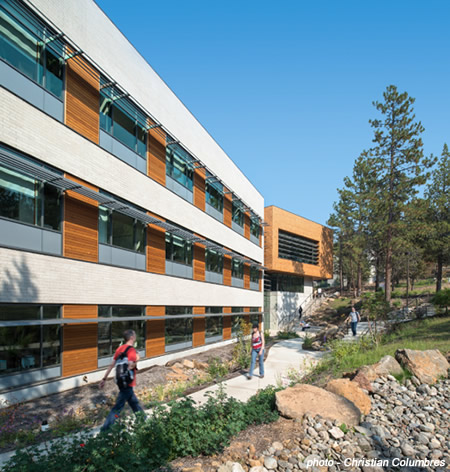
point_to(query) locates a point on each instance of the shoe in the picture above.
(249, 377)
(261, 376)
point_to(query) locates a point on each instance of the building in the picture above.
(297, 252)
(117, 209)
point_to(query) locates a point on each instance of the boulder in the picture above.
(387, 366)
(351, 391)
(188, 364)
(369, 372)
(361, 379)
(295, 402)
(427, 366)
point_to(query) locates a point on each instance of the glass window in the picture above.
(214, 195)
(121, 230)
(286, 283)
(254, 274)
(213, 261)
(110, 334)
(213, 324)
(122, 119)
(24, 44)
(179, 165)
(29, 347)
(178, 330)
(178, 249)
(297, 248)
(238, 215)
(237, 268)
(25, 199)
(254, 228)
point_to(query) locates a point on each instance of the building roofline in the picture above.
(299, 216)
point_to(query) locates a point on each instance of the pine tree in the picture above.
(437, 201)
(400, 167)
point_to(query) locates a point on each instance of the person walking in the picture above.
(300, 312)
(258, 344)
(126, 394)
(354, 319)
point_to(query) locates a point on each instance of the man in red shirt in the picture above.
(126, 394)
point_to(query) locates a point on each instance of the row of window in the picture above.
(31, 201)
(35, 347)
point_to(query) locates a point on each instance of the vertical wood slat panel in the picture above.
(199, 189)
(82, 99)
(246, 276)
(156, 249)
(227, 324)
(199, 262)
(227, 209)
(247, 225)
(155, 343)
(80, 346)
(80, 225)
(198, 334)
(156, 155)
(247, 317)
(227, 270)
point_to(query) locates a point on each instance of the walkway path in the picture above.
(283, 357)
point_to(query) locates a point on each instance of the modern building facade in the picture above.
(297, 251)
(117, 209)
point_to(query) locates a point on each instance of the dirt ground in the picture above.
(250, 443)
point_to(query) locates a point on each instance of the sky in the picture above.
(286, 87)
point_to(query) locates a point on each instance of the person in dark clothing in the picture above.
(300, 312)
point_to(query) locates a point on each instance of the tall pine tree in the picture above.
(400, 167)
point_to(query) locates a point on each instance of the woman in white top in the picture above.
(354, 318)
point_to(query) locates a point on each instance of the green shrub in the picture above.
(174, 430)
(442, 298)
(217, 368)
(287, 335)
(307, 342)
(242, 350)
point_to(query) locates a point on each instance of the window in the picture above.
(254, 318)
(179, 165)
(214, 194)
(236, 319)
(237, 215)
(297, 248)
(178, 249)
(213, 261)
(28, 200)
(110, 334)
(254, 275)
(122, 119)
(254, 229)
(237, 268)
(178, 330)
(213, 324)
(121, 230)
(31, 47)
(286, 283)
(23, 348)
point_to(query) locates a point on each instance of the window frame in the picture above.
(187, 249)
(212, 253)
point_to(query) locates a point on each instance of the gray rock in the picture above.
(363, 430)
(336, 433)
(408, 450)
(311, 432)
(270, 463)
(434, 444)
(277, 446)
(236, 467)
(258, 468)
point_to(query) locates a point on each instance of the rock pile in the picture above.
(407, 423)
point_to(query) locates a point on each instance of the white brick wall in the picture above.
(35, 278)
(33, 132)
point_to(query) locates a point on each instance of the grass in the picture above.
(341, 305)
(418, 335)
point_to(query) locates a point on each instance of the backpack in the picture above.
(124, 375)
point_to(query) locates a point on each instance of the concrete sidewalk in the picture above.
(283, 357)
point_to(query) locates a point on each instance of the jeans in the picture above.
(125, 395)
(353, 325)
(257, 353)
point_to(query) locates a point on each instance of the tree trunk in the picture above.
(341, 271)
(359, 280)
(439, 273)
(377, 273)
(388, 277)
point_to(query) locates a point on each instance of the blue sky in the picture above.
(286, 87)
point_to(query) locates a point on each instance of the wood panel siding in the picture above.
(155, 343)
(79, 349)
(80, 225)
(227, 209)
(156, 249)
(276, 219)
(246, 276)
(261, 229)
(199, 262)
(82, 98)
(199, 189)
(227, 324)
(247, 225)
(156, 155)
(79, 311)
(227, 270)
(198, 332)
